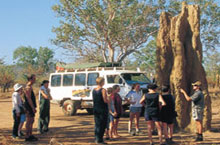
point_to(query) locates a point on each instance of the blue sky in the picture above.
(27, 23)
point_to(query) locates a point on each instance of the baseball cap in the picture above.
(197, 83)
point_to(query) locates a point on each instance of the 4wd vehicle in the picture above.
(71, 85)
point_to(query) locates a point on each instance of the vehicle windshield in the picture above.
(132, 78)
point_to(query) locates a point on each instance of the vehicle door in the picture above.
(91, 82)
(55, 87)
(79, 86)
(67, 85)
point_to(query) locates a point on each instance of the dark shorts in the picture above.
(135, 109)
(30, 113)
(168, 120)
(149, 117)
(118, 116)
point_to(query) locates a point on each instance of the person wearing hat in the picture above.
(197, 107)
(44, 114)
(16, 103)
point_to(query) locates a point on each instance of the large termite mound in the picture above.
(179, 57)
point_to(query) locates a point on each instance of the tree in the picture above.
(25, 56)
(28, 57)
(44, 58)
(106, 30)
(146, 57)
(115, 28)
(7, 76)
(212, 66)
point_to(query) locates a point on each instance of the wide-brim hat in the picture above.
(17, 87)
(197, 83)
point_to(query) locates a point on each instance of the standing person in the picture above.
(152, 110)
(22, 117)
(118, 109)
(197, 107)
(30, 105)
(133, 98)
(44, 113)
(168, 113)
(16, 103)
(100, 107)
(112, 113)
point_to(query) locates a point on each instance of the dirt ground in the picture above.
(79, 129)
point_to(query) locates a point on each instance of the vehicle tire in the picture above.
(90, 111)
(69, 107)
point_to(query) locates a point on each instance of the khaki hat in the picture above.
(197, 83)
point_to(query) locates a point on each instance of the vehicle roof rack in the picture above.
(62, 67)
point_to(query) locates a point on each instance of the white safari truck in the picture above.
(72, 84)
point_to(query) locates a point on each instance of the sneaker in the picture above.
(138, 132)
(15, 137)
(199, 139)
(29, 139)
(33, 138)
(133, 133)
(171, 140)
(154, 132)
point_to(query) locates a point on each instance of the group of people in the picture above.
(159, 110)
(24, 108)
(107, 106)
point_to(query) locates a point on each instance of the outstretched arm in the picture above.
(185, 95)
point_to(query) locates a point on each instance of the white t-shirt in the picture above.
(16, 102)
(134, 96)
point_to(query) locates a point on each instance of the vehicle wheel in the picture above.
(69, 107)
(90, 111)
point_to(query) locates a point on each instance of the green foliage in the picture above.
(113, 28)
(146, 57)
(212, 64)
(36, 59)
(44, 58)
(25, 55)
(7, 76)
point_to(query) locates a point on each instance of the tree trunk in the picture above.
(179, 58)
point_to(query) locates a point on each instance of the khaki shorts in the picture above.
(197, 114)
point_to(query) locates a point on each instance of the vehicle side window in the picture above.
(92, 79)
(68, 80)
(56, 80)
(80, 79)
(114, 79)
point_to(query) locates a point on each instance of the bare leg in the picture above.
(116, 127)
(111, 129)
(130, 121)
(170, 126)
(149, 128)
(157, 123)
(199, 126)
(137, 117)
(20, 127)
(28, 127)
(165, 131)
